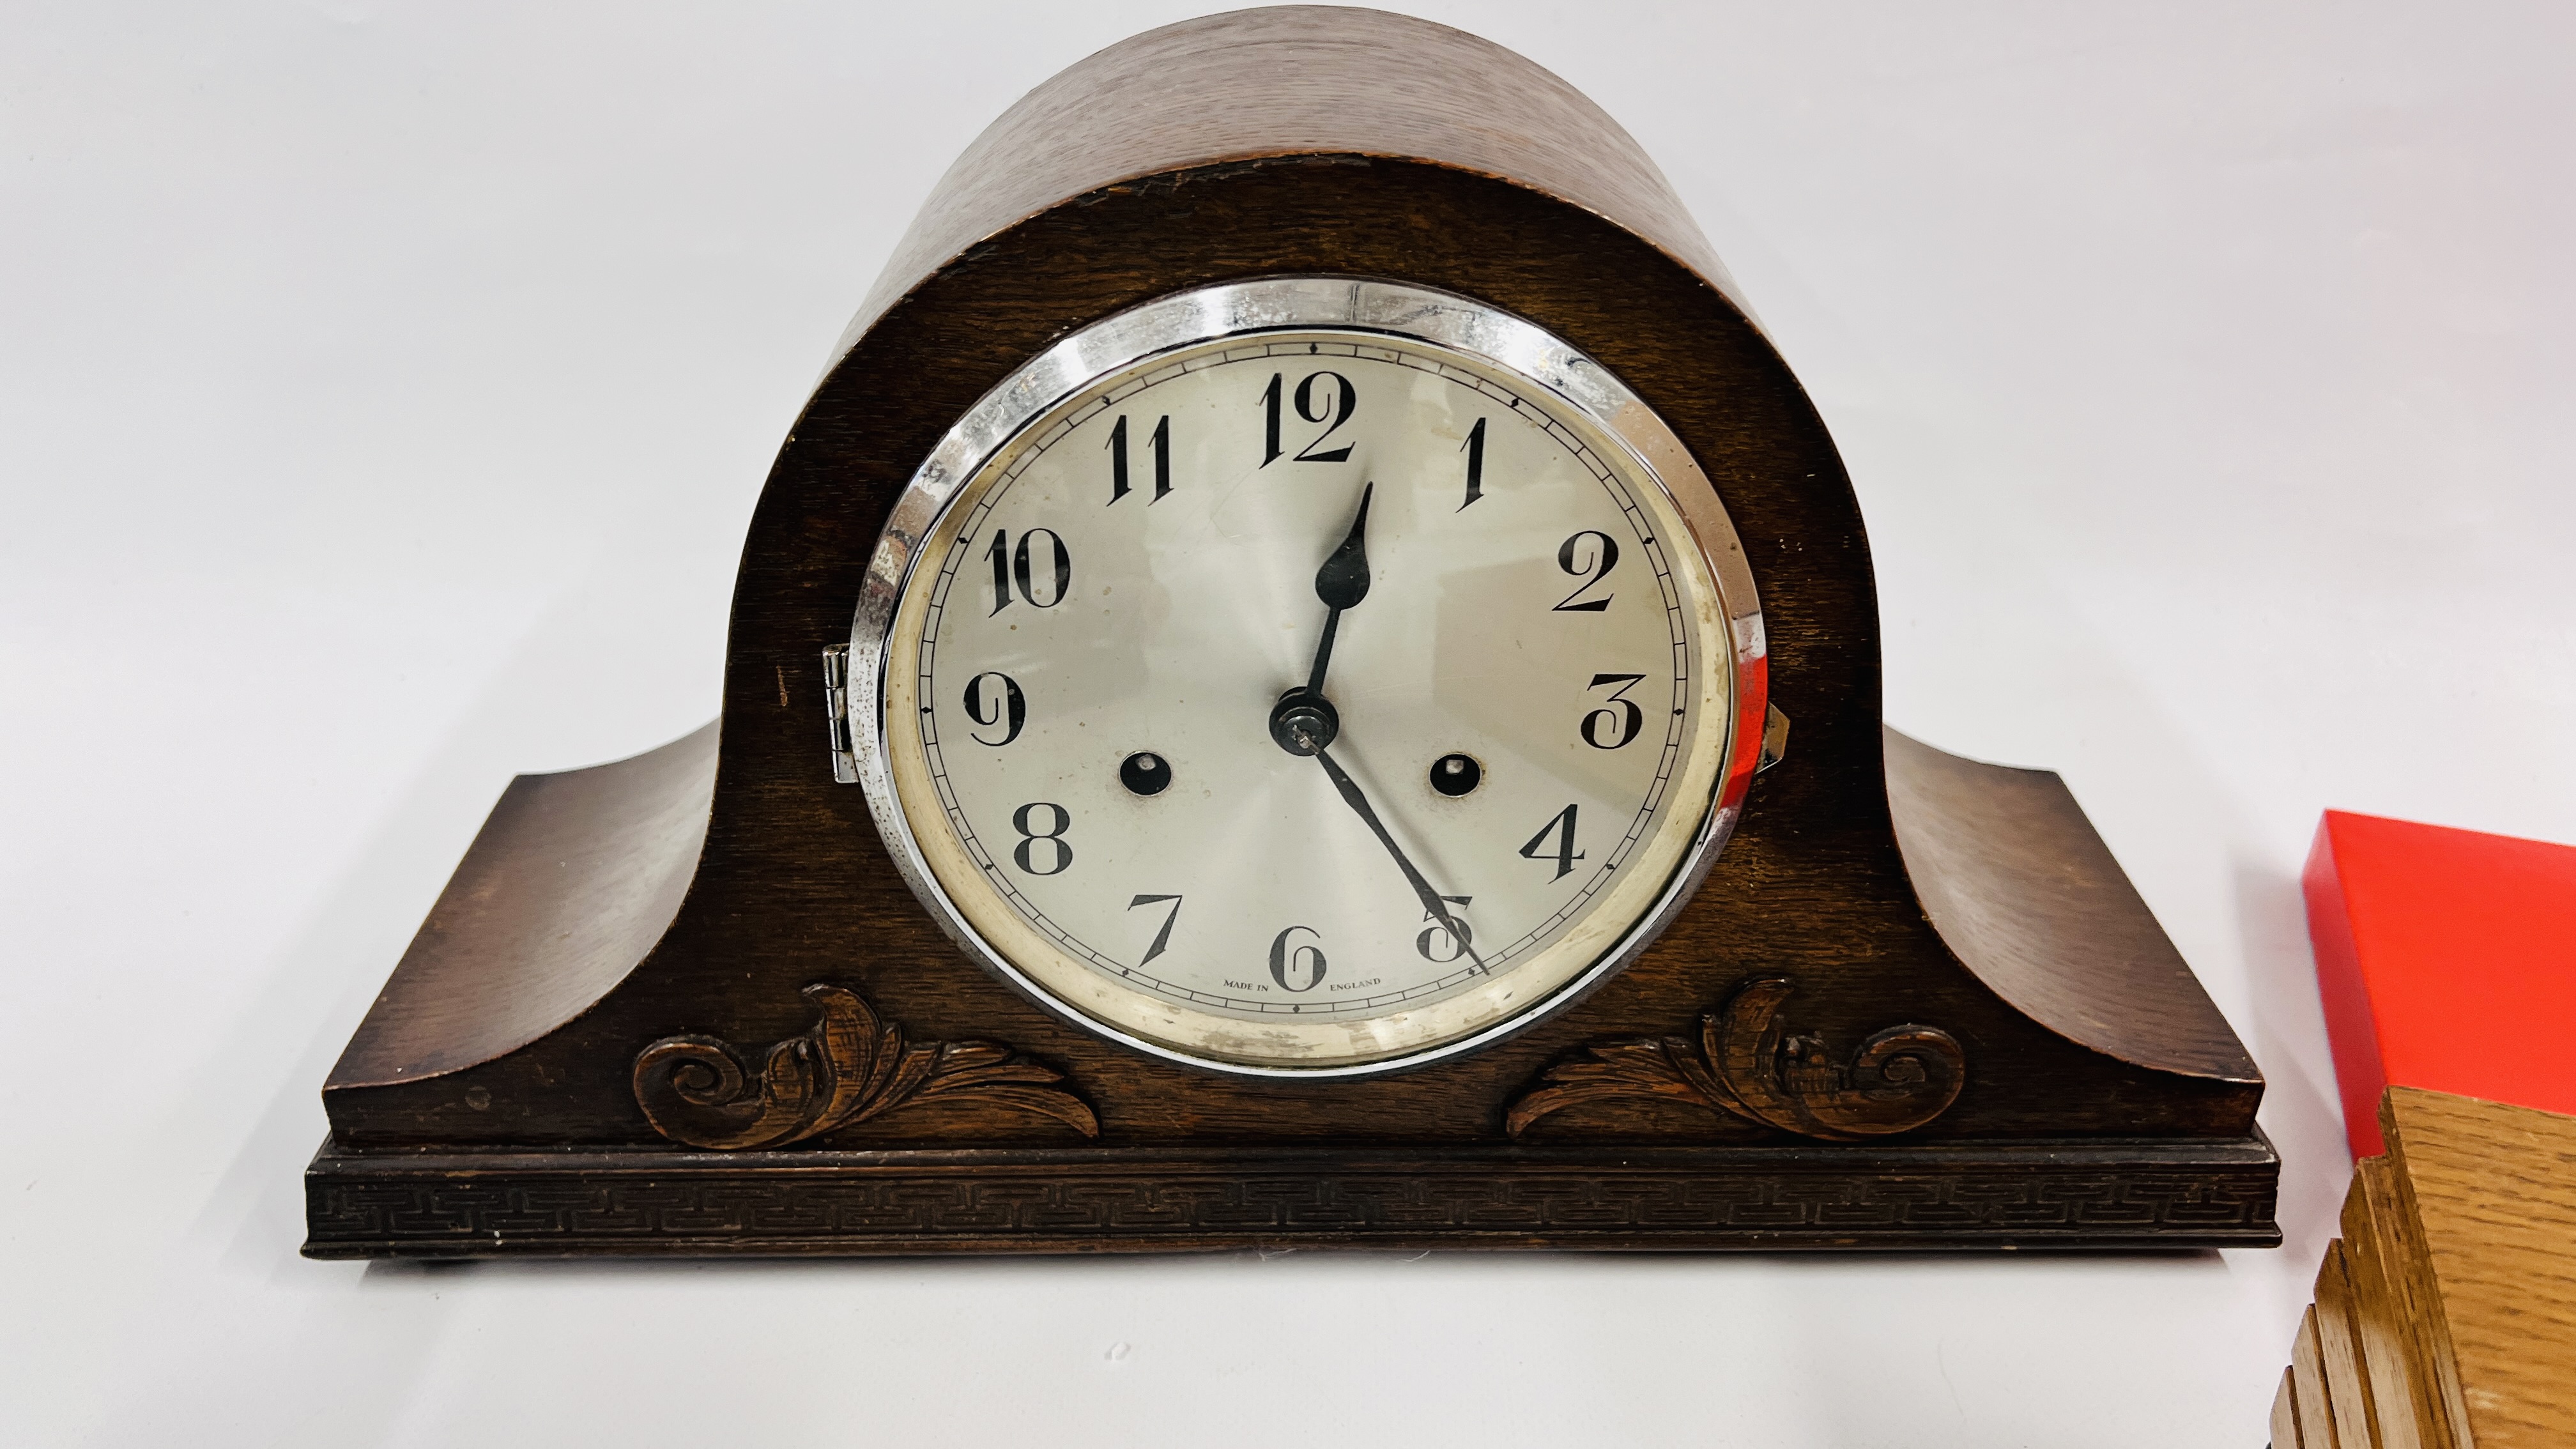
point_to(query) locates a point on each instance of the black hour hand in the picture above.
(1344, 579)
(1341, 583)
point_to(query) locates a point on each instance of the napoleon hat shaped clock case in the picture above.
(1242, 713)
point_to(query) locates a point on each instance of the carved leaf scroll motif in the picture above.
(851, 1066)
(1746, 1063)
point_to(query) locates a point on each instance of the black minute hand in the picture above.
(1341, 583)
(1431, 902)
(1304, 723)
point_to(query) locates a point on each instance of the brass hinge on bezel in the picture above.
(836, 704)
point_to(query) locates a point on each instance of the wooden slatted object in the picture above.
(2445, 1316)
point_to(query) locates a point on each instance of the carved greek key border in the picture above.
(375, 1212)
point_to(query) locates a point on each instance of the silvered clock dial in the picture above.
(1310, 676)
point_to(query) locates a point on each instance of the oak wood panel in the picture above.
(2347, 1375)
(2025, 892)
(2416, 1297)
(2317, 1425)
(2492, 1191)
(1296, 79)
(566, 888)
(674, 1201)
(2445, 1317)
(2285, 1414)
(2379, 1247)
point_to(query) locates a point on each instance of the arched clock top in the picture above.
(1282, 83)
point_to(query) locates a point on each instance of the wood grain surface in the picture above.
(674, 1201)
(2445, 1316)
(1382, 147)
(2378, 1247)
(2339, 1353)
(566, 888)
(1294, 80)
(2492, 1191)
(2308, 1383)
(2019, 885)
(2285, 1413)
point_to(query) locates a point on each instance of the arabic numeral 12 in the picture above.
(1324, 397)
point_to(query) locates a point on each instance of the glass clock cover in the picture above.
(1313, 676)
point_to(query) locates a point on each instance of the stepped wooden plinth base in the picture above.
(1106, 1200)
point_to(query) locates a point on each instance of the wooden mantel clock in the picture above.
(1248, 720)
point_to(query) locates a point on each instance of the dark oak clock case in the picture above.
(683, 1004)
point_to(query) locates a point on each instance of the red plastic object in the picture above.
(2447, 959)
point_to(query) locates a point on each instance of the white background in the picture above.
(384, 389)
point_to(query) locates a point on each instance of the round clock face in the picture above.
(1310, 676)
